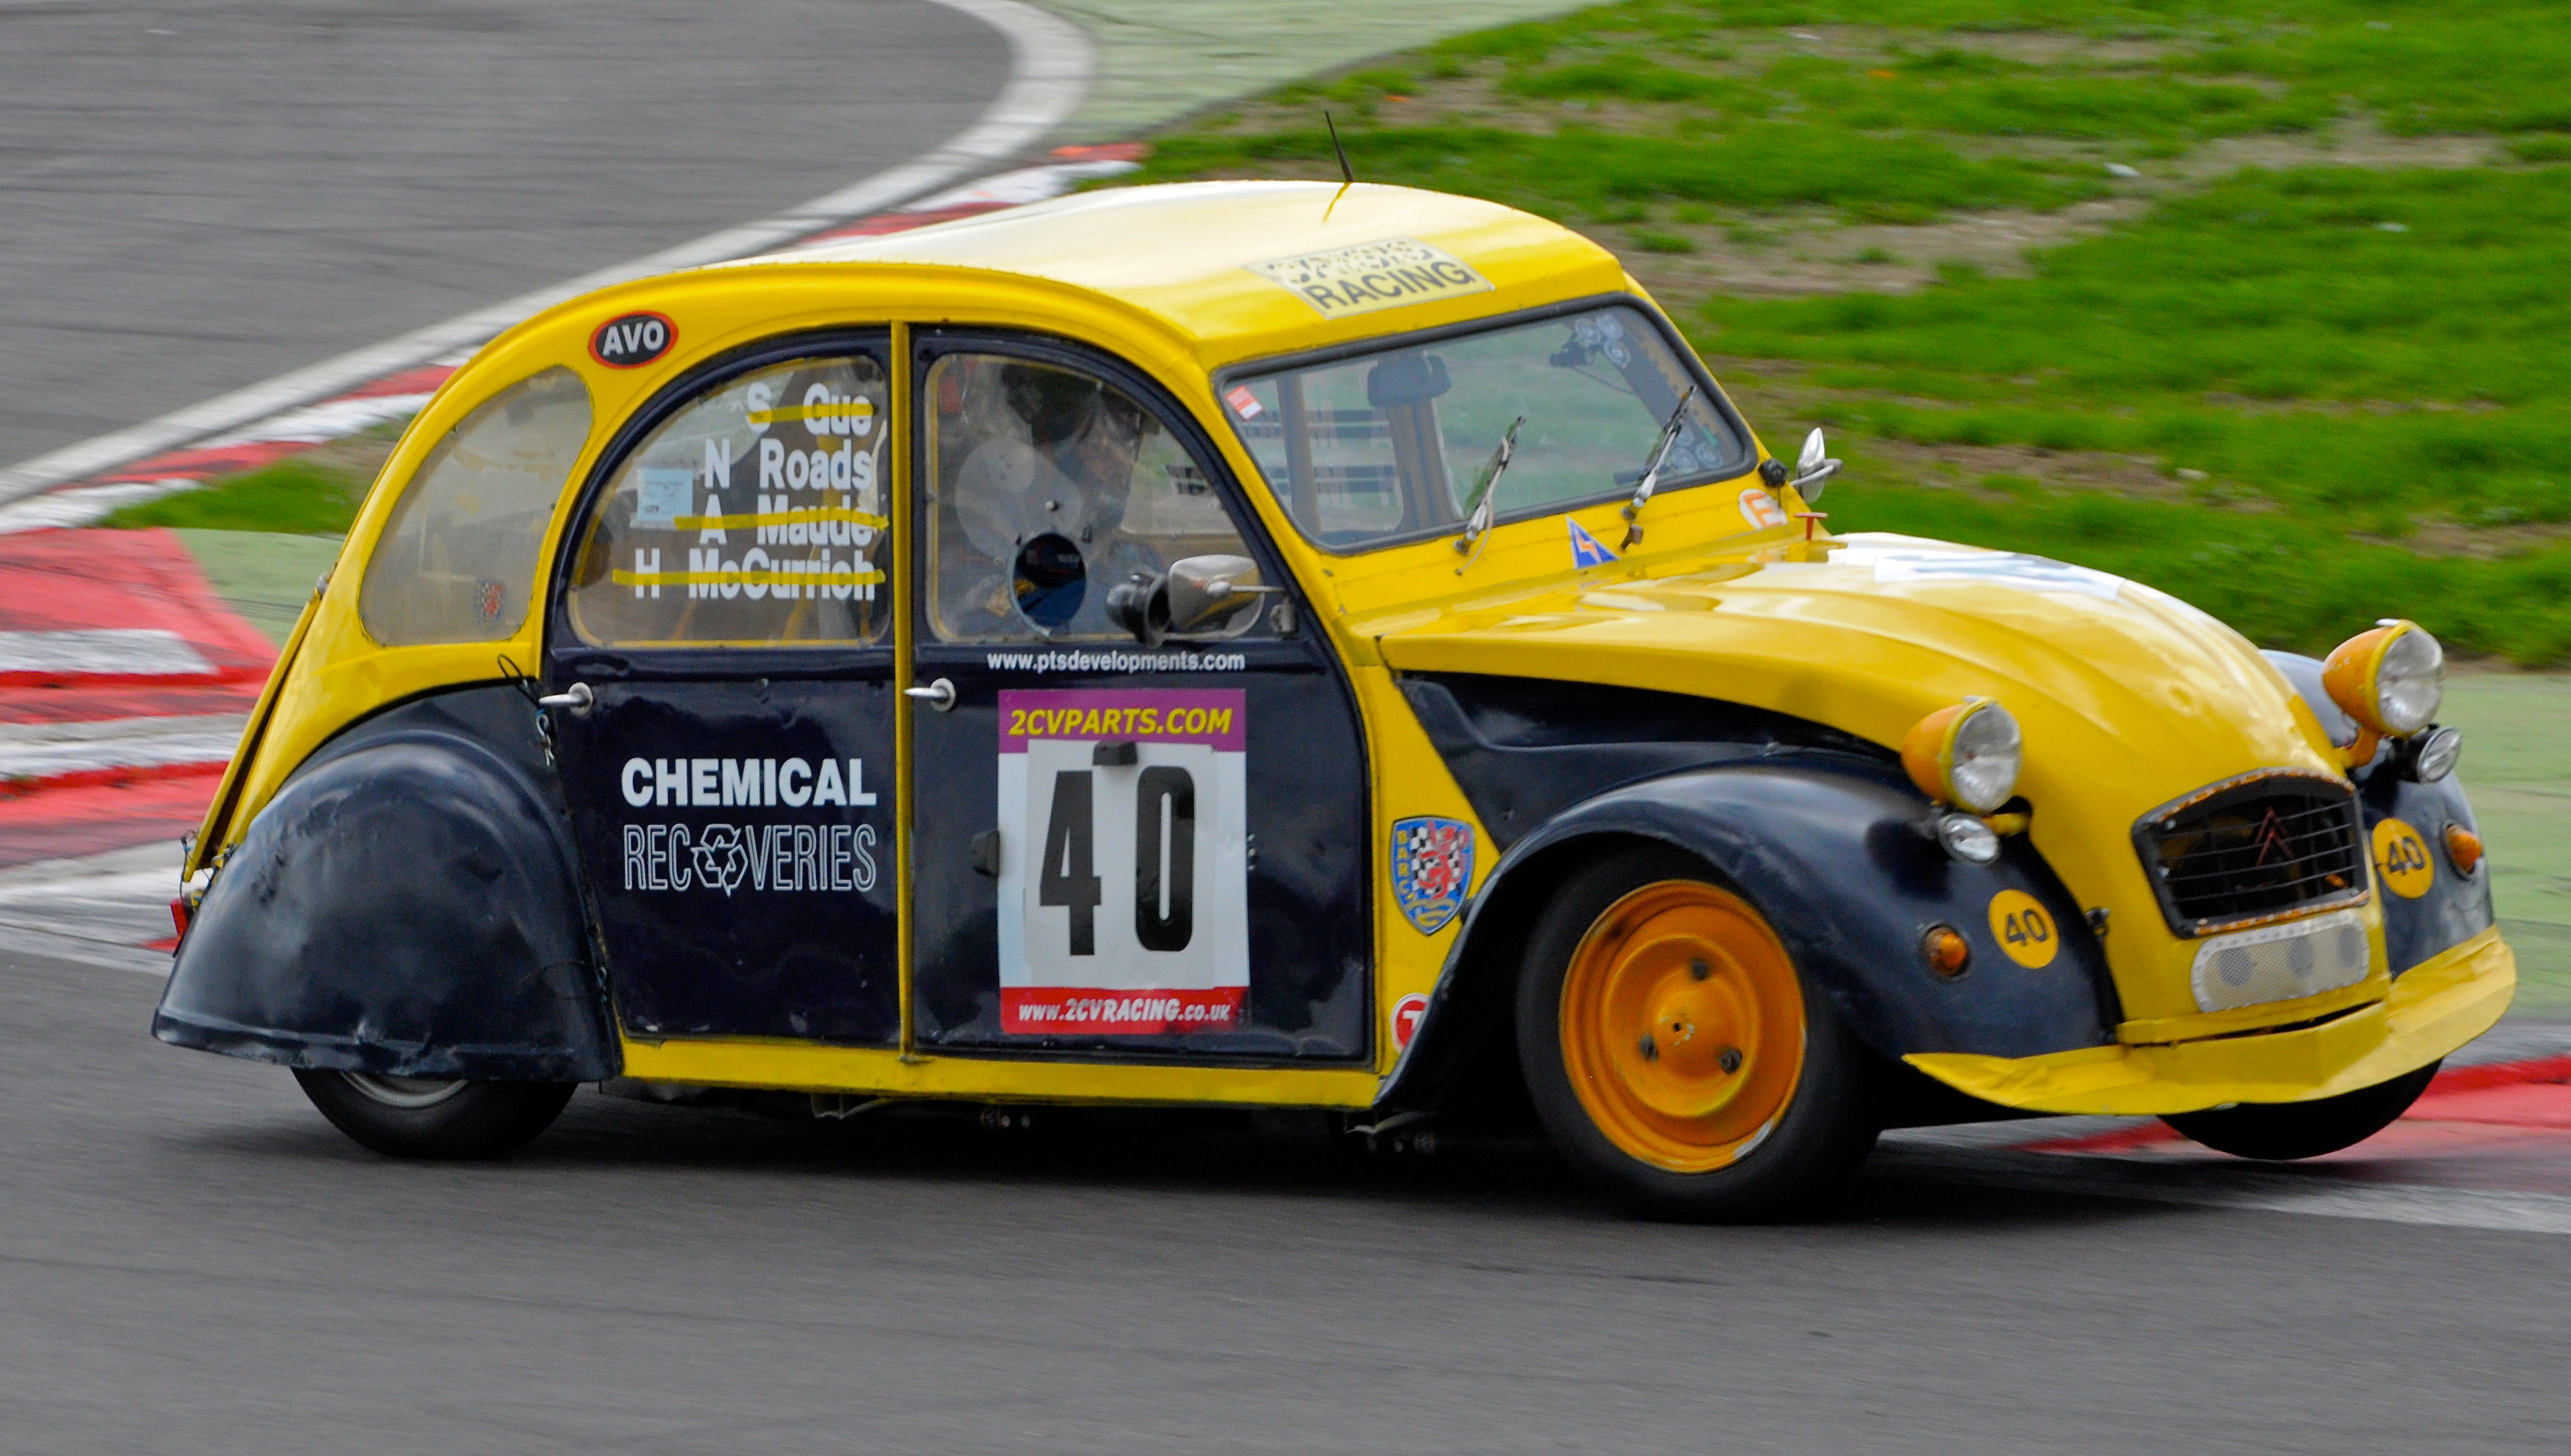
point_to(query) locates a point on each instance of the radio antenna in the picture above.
(1347, 175)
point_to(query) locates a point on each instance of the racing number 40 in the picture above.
(1164, 858)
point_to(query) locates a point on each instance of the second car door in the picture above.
(729, 616)
(1120, 848)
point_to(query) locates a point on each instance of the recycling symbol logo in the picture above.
(721, 859)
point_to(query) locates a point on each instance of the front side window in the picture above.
(755, 515)
(1050, 487)
(457, 560)
(1389, 445)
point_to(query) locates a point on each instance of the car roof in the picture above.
(1191, 256)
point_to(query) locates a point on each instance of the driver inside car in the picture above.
(1047, 458)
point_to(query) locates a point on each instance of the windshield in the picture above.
(1386, 447)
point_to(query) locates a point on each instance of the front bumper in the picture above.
(2435, 1007)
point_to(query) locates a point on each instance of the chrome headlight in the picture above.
(2438, 755)
(1968, 755)
(2391, 679)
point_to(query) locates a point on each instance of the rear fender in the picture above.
(407, 904)
(1833, 851)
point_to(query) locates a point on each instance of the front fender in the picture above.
(407, 905)
(2454, 906)
(1832, 850)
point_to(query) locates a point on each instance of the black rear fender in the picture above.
(407, 904)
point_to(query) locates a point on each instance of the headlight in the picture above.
(1968, 755)
(2438, 755)
(2391, 679)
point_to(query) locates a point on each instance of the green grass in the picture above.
(296, 496)
(2356, 380)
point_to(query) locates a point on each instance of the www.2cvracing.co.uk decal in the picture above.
(1433, 869)
(765, 858)
(1124, 860)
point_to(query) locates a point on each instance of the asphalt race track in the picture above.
(174, 232)
(195, 1262)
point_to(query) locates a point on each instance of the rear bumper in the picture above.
(2435, 1007)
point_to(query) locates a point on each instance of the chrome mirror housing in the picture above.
(1199, 596)
(1813, 469)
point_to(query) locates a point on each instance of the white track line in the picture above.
(2317, 1193)
(115, 651)
(1050, 65)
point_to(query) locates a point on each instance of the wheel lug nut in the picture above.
(1700, 970)
(1651, 1051)
(1731, 1059)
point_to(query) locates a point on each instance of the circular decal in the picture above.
(2026, 934)
(2402, 859)
(1405, 1019)
(633, 341)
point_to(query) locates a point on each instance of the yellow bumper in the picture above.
(2434, 1008)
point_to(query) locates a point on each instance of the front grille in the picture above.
(2254, 848)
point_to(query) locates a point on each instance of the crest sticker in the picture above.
(1433, 869)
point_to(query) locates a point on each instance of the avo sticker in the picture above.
(2402, 859)
(2026, 934)
(1760, 508)
(1405, 1019)
(633, 341)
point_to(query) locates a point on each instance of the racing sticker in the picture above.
(1369, 276)
(2402, 859)
(1433, 869)
(1124, 861)
(2026, 934)
(1586, 550)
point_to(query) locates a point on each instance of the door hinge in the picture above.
(987, 854)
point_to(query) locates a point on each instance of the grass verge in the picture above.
(2310, 308)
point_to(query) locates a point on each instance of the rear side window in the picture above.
(457, 561)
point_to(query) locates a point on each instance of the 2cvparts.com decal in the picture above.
(1124, 861)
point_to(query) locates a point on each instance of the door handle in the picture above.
(939, 695)
(576, 698)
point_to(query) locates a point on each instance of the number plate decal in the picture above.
(1124, 865)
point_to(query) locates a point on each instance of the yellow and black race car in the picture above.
(1283, 645)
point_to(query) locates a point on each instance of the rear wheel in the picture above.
(2281, 1132)
(1674, 1053)
(433, 1117)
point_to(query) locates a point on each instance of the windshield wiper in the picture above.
(1652, 472)
(1487, 490)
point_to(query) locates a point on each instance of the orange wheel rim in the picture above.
(1682, 1026)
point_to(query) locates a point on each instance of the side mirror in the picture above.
(1813, 469)
(1201, 595)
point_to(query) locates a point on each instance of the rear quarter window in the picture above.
(457, 560)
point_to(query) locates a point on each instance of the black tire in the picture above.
(2284, 1131)
(419, 1116)
(1814, 1145)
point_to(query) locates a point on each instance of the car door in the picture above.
(1120, 848)
(728, 612)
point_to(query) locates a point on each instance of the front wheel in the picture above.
(2281, 1132)
(1674, 1053)
(433, 1117)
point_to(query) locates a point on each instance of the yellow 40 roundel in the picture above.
(2402, 859)
(2027, 935)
